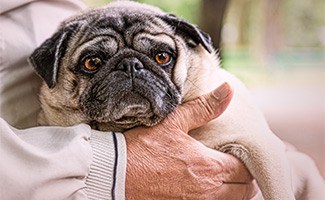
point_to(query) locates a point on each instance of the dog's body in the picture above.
(130, 64)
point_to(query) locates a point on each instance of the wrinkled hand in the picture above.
(164, 162)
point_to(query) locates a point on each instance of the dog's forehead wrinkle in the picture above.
(123, 23)
(136, 26)
(123, 27)
(147, 38)
(96, 44)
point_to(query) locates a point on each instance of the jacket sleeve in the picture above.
(106, 179)
(61, 163)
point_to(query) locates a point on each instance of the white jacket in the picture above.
(47, 162)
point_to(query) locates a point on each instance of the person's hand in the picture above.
(164, 162)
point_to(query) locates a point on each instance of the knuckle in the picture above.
(207, 108)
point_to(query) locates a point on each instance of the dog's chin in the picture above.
(125, 123)
(131, 111)
(132, 107)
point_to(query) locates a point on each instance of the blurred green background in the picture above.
(277, 48)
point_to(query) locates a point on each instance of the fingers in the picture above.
(234, 171)
(203, 109)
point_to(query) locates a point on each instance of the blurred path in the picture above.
(297, 115)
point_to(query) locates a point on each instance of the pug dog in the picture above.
(129, 64)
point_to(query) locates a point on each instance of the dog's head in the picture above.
(120, 66)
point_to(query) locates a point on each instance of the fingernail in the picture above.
(222, 92)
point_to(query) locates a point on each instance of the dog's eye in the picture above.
(163, 58)
(92, 64)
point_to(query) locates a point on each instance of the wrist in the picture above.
(106, 177)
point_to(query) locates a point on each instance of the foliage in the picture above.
(187, 9)
(93, 3)
(303, 22)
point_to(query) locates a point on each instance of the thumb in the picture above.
(203, 109)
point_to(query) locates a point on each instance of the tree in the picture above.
(211, 20)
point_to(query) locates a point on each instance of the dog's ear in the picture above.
(188, 30)
(46, 58)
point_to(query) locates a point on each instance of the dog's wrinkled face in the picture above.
(115, 67)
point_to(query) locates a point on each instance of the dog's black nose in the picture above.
(130, 65)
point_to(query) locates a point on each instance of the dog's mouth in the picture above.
(132, 108)
(130, 111)
(129, 106)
